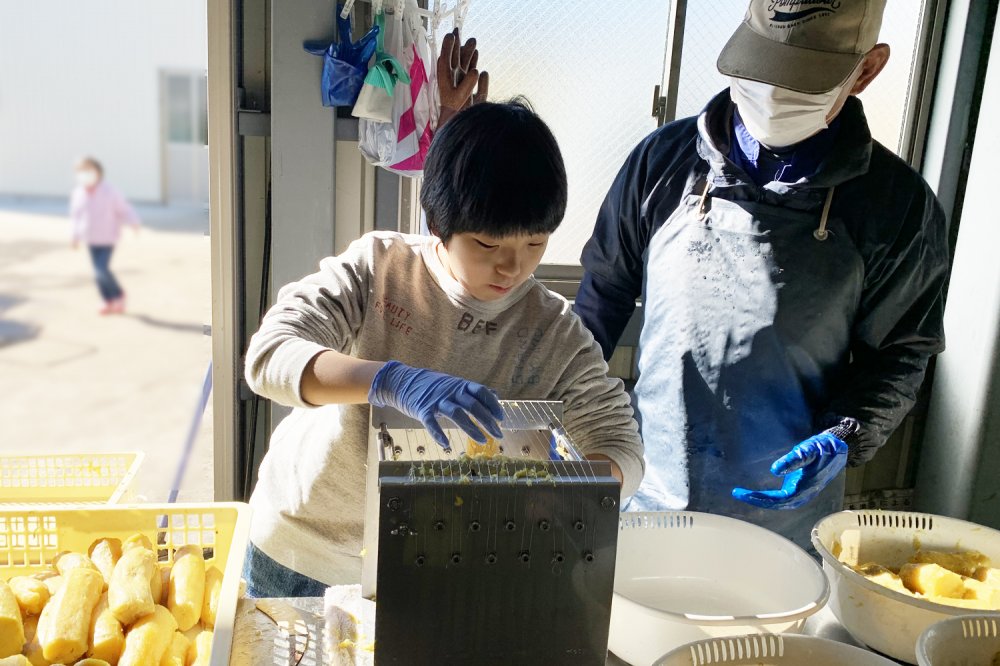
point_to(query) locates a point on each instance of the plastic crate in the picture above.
(86, 478)
(30, 536)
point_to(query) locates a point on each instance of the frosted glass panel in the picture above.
(588, 68)
(708, 26)
(886, 98)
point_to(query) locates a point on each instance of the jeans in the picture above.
(267, 578)
(100, 256)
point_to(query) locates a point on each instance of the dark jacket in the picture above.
(842, 328)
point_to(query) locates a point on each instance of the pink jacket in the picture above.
(97, 216)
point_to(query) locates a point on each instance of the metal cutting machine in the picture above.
(502, 553)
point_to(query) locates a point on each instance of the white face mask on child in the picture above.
(87, 178)
(778, 117)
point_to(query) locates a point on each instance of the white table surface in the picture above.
(258, 642)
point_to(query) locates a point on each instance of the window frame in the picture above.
(565, 278)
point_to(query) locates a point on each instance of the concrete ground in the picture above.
(74, 381)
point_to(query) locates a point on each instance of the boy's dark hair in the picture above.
(494, 169)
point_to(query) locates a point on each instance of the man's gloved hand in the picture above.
(806, 469)
(425, 395)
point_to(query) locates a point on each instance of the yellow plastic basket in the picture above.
(86, 478)
(30, 536)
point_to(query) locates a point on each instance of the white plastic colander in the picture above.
(968, 640)
(768, 650)
(884, 619)
(685, 576)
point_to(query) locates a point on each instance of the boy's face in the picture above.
(489, 267)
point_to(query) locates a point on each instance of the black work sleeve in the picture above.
(898, 328)
(612, 258)
(604, 309)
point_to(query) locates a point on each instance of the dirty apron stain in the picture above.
(748, 311)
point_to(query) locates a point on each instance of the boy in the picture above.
(382, 323)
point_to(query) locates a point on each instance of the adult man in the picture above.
(792, 272)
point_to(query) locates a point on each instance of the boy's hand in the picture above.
(458, 76)
(425, 395)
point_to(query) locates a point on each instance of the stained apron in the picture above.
(748, 313)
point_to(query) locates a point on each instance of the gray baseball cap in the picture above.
(806, 45)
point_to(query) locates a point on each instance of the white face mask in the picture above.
(87, 177)
(778, 117)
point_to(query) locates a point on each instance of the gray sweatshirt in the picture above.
(389, 297)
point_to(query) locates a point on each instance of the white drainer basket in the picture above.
(980, 627)
(883, 619)
(686, 576)
(660, 520)
(967, 640)
(770, 650)
(909, 521)
(728, 650)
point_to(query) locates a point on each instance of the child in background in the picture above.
(387, 321)
(97, 212)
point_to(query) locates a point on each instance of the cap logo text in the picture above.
(788, 11)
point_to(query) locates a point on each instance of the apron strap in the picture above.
(821, 234)
(702, 209)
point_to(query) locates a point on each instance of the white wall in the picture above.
(83, 78)
(961, 457)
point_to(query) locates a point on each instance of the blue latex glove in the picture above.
(806, 469)
(356, 53)
(345, 63)
(553, 448)
(425, 395)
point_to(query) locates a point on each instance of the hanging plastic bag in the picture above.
(345, 63)
(377, 137)
(375, 102)
(401, 145)
(415, 129)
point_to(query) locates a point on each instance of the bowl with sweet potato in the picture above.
(894, 573)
